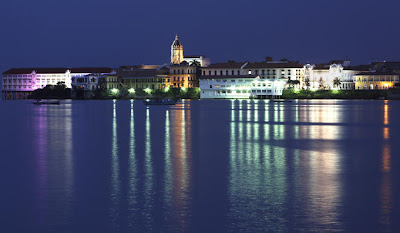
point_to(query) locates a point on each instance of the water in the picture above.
(200, 166)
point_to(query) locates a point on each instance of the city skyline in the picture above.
(88, 33)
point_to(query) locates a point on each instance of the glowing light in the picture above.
(114, 90)
(183, 88)
(166, 89)
(147, 90)
(131, 90)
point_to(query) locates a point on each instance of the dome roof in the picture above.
(176, 42)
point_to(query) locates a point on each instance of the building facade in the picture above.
(245, 80)
(333, 77)
(375, 80)
(183, 75)
(21, 82)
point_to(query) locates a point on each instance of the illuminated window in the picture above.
(249, 72)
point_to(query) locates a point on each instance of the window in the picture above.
(209, 72)
(232, 80)
(220, 72)
(227, 73)
(249, 72)
(233, 72)
(210, 86)
(238, 72)
(263, 72)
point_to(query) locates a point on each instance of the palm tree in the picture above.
(195, 63)
(307, 82)
(321, 84)
(336, 82)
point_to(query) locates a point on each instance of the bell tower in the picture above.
(176, 51)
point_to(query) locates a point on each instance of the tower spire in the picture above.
(176, 51)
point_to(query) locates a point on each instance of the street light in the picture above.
(114, 90)
(131, 90)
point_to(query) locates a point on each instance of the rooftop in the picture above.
(58, 70)
(226, 76)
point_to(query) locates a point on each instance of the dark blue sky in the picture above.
(121, 32)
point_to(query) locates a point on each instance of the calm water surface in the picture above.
(200, 166)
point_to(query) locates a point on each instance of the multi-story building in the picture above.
(375, 80)
(183, 75)
(246, 80)
(21, 82)
(152, 79)
(334, 76)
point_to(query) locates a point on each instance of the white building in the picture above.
(324, 77)
(242, 80)
(20, 82)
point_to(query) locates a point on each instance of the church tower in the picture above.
(176, 51)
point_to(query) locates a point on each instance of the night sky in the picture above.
(45, 33)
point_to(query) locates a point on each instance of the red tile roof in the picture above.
(272, 65)
(227, 65)
(226, 76)
(58, 70)
(375, 73)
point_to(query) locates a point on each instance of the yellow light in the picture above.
(114, 90)
(166, 89)
(183, 88)
(131, 90)
(147, 90)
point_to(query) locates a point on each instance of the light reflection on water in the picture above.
(261, 166)
(284, 166)
(55, 166)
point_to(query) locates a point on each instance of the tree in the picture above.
(336, 82)
(307, 82)
(195, 63)
(321, 83)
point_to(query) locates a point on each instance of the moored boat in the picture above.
(39, 102)
(160, 102)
